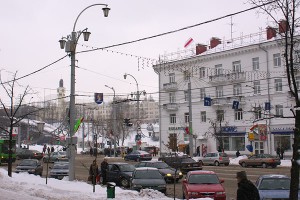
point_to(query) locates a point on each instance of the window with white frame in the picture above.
(172, 78)
(279, 110)
(172, 97)
(233, 143)
(277, 60)
(236, 66)
(186, 75)
(202, 93)
(256, 85)
(219, 91)
(255, 63)
(202, 72)
(278, 84)
(257, 113)
(220, 115)
(218, 70)
(172, 118)
(237, 89)
(186, 117)
(186, 95)
(203, 116)
(238, 115)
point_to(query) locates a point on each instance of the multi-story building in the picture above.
(237, 88)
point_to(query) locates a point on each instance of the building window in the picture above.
(203, 116)
(219, 91)
(186, 95)
(256, 87)
(283, 141)
(172, 118)
(202, 72)
(236, 66)
(186, 75)
(238, 115)
(277, 60)
(278, 85)
(220, 115)
(172, 97)
(237, 89)
(255, 63)
(172, 78)
(279, 110)
(257, 113)
(186, 117)
(218, 70)
(202, 93)
(233, 143)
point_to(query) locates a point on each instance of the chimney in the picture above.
(200, 48)
(214, 42)
(271, 32)
(282, 26)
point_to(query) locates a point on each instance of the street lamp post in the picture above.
(114, 116)
(28, 130)
(70, 46)
(138, 105)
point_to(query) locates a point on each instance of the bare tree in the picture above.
(11, 112)
(289, 42)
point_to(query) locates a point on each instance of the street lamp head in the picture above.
(106, 11)
(125, 75)
(62, 43)
(86, 35)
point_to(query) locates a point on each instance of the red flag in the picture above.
(187, 131)
(188, 42)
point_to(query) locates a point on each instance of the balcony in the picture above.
(223, 78)
(170, 106)
(170, 86)
(223, 101)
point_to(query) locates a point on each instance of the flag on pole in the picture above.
(188, 42)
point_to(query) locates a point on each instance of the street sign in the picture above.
(250, 136)
(207, 101)
(235, 105)
(98, 98)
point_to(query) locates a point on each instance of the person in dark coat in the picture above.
(278, 151)
(281, 152)
(198, 150)
(246, 189)
(93, 172)
(52, 149)
(104, 169)
(237, 153)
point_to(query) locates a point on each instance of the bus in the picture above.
(4, 143)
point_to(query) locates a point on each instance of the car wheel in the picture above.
(124, 182)
(226, 164)
(264, 165)
(217, 163)
(244, 164)
(201, 163)
(274, 166)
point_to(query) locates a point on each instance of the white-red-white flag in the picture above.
(188, 42)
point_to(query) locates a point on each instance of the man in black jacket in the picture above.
(104, 169)
(246, 189)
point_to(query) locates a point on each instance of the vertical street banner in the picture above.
(98, 98)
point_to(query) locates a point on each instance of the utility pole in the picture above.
(190, 119)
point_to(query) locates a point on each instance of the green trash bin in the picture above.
(110, 189)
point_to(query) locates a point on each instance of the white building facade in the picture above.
(248, 71)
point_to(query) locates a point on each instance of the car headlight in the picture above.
(168, 174)
(193, 193)
(162, 186)
(180, 173)
(31, 170)
(220, 193)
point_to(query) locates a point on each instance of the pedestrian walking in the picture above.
(198, 150)
(48, 150)
(104, 169)
(281, 152)
(237, 153)
(52, 149)
(278, 151)
(246, 189)
(93, 172)
(91, 151)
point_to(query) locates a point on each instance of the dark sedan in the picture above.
(59, 170)
(138, 156)
(28, 154)
(31, 166)
(166, 171)
(120, 173)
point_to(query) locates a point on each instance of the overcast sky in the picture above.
(30, 31)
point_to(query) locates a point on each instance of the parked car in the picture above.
(184, 163)
(120, 173)
(28, 154)
(31, 166)
(138, 156)
(148, 177)
(59, 170)
(274, 186)
(56, 156)
(166, 171)
(263, 160)
(215, 158)
(203, 184)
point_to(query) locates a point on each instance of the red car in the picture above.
(203, 184)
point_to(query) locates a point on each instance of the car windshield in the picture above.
(60, 166)
(62, 153)
(188, 160)
(147, 174)
(159, 165)
(203, 179)
(28, 163)
(275, 184)
(126, 168)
